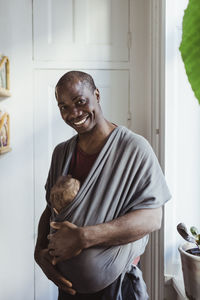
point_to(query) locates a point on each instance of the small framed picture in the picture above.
(4, 76)
(4, 132)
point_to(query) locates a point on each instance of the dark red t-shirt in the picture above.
(81, 163)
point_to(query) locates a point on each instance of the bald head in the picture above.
(76, 76)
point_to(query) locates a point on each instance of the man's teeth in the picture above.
(80, 122)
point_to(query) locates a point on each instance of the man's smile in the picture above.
(81, 122)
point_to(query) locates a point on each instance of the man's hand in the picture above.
(66, 242)
(44, 260)
(70, 240)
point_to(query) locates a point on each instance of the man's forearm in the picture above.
(43, 230)
(69, 239)
(125, 229)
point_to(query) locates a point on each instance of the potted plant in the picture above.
(190, 260)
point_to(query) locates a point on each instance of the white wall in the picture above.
(16, 179)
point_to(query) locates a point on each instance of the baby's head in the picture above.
(63, 192)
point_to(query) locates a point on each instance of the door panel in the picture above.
(91, 30)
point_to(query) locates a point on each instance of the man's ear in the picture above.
(97, 94)
(56, 94)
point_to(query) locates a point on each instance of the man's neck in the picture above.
(93, 141)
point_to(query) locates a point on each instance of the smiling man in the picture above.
(92, 247)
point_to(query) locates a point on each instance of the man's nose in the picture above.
(75, 112)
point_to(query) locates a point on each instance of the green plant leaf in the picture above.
(194, 231)
(198, 239)
(190, 45)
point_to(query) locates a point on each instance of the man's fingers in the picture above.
(54, 261)
(68, 290)
(55, 210)
(65, 281)
(69, 224)
(52, 253)
(54, 275)
(49, 236)
(57, 258)
(56, 225)
(64, 284)
(59, 279)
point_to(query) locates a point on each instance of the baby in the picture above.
(63, 192)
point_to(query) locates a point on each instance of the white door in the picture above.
(87, 30)
(76, 32)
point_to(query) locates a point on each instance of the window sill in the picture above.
(178, 286)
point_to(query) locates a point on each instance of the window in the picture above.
(182, 141)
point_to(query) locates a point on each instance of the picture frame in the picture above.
(4, 132)
(4, 76)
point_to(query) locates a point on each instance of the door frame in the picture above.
(153, 259)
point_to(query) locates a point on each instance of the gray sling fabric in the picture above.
(125, 176)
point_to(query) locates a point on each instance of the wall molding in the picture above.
(158, 131)
(154, 257)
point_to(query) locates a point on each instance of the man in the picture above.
(93, 242)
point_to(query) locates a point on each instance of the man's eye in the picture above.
(62, 108)
(81, 101)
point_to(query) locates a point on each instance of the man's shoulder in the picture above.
(133, 140)
(61, 147)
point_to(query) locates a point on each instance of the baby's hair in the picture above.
(72, 76)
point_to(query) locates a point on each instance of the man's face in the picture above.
(79, 106)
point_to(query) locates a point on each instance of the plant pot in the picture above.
(191, 272)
